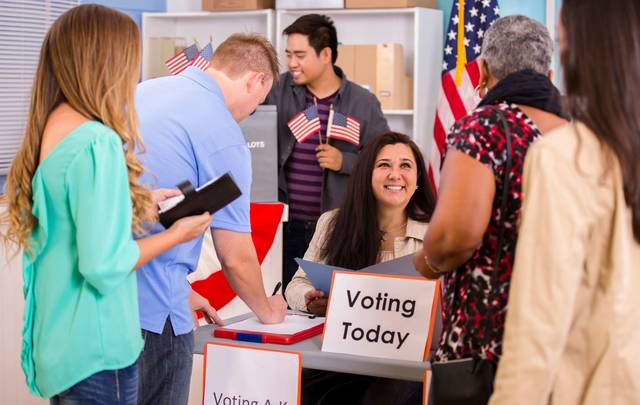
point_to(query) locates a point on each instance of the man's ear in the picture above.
(550, 74)
(325, 55)
(255, 81)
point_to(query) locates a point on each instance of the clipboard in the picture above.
(210, 197)
(251, 330)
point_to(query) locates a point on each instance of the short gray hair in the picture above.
(515, 43)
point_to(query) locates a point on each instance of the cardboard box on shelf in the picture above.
(229, 5)
(390, 3)
(366, 66)
(347, 60)
(380, 69)
(392, 83)
(309, 4)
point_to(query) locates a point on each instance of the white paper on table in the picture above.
(292, 324)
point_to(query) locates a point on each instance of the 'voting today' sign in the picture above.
(380, 315)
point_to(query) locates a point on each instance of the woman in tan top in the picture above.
(381, 218)
(572, 333)
(384, 216)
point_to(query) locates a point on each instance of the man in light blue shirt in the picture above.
(189, 124)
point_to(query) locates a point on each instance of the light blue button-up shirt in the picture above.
(189, 135)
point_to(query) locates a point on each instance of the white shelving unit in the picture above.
(201, 25)
(419, 30)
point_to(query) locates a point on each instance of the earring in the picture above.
(417, 187)
(480, 88)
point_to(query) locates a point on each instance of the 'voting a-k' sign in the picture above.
(380, 315)
(238, 375)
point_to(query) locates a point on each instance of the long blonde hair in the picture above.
(90, 59)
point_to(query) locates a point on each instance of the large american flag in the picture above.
(470, 19)
(345, 128)
(203, 59)
(305, 124)
(181, 60)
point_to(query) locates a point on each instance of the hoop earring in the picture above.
(480, 87)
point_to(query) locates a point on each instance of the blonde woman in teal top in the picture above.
(73, 201)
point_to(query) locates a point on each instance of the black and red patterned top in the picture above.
(466, 330)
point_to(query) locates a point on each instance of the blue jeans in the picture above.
(109, 387)
(165, 367)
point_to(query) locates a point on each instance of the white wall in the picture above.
(13, 389)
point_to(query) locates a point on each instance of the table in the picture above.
(313, 357)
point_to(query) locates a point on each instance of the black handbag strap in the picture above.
(503, 208)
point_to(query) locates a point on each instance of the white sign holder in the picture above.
(380, 315)
(235, 375)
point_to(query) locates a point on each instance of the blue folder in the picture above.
(320, 274)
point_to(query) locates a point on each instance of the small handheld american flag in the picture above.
(181, 60)
(344, 127)
(305, 124)
(203, 59)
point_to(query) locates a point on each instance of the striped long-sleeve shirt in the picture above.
(303, 174)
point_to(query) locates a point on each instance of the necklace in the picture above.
(390, 230)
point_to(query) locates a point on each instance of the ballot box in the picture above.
(261, 133)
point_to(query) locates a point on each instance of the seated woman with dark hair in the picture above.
(384, 216)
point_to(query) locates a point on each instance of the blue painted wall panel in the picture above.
(147, 5)
(133, 8)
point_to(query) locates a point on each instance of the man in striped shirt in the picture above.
(313, 174)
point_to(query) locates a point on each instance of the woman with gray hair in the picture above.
(473, 232)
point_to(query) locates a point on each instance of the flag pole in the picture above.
(461, 62)
(329, 122)
(315, 102)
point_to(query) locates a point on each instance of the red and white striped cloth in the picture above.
(203, 60)
(181, 60)
(469, 21)
(453, 103)
(344, 127)
(305, 124)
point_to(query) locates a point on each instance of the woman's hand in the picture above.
(312, 295)
(191, 227)
(420, 264)
(162, 194)
(318, 307)
(316, 303)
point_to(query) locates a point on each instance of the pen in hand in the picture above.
(275, 290)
